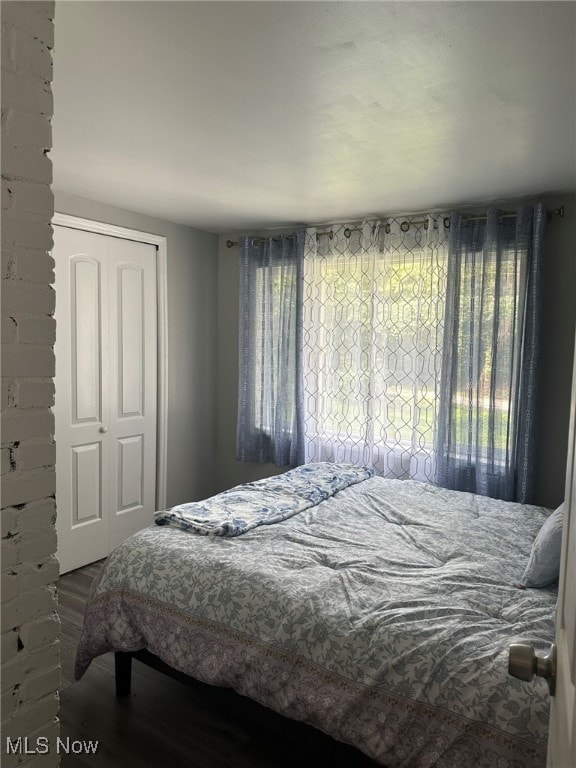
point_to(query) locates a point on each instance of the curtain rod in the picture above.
(405, 226)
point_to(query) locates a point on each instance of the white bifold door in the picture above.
(106, 390)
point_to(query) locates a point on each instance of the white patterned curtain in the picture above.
(373, 322)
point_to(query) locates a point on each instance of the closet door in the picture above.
(105, 404)
(133, 378)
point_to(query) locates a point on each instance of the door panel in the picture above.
(80, 410)
(130, 472)
(133, 373)
(105, 406)
(86, 484)
(562, 738)
(130, 335)
(86, 289)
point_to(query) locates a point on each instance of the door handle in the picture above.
(523, 663)
(103, 429)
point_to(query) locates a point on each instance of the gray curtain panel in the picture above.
(270, 379)
(489, 387)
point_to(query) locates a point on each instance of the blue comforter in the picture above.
(381, 615)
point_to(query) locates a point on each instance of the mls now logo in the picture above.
(23, 745)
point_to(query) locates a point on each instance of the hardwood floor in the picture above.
(167, 724)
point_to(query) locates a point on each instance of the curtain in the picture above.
(486, 425)
(372, 344)
(270, 322)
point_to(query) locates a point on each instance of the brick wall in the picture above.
(29, 623)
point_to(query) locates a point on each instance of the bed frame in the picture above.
(315, 747)
(123, 669)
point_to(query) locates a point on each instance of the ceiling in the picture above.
(228, 116)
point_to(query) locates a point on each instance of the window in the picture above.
(394, 346)
(372, 346)
(269, 350)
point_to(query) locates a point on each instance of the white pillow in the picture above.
(543, 566)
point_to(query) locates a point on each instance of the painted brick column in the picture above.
(30, 628)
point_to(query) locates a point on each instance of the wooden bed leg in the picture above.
(123, 669)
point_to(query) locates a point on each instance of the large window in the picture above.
(404, 344)
(372, 345)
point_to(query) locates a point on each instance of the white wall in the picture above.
(30, 626)
(559, 315)
(192, 273)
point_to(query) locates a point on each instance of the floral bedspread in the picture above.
(382, 616)
(263, 502)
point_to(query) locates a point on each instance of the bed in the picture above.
(380, 613)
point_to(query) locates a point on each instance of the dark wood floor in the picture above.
(166, 724)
